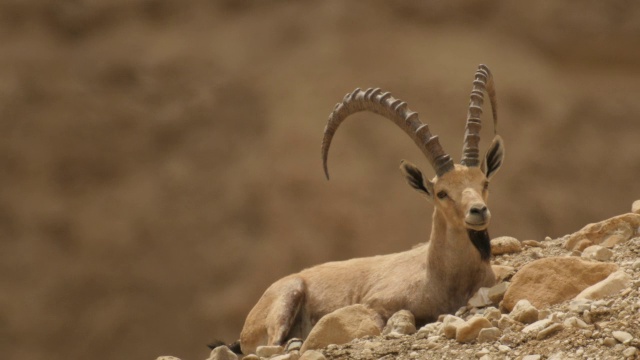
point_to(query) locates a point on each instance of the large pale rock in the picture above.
(576, 323)
(496, 293)
(503, 272)
(492, 313)
(450, 326)
(597, 252)
(312, 355)
(268, 351)
(505, 322)
(549, 330)
(524, 312)
(428, 330)
(553, 280)
(402, 322)
(294, 355)
(469, 330)
(613, 284)
(505, 245)
(622, 225)
(537, 326)
(489, 335)
(635, 207)
(480, 298)
(222, 353)
(342, 326)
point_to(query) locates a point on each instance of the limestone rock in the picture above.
(635, 207)
(537, 326)
(596, 233)
(622, 336)
(496, 293)
(597, 252)
(629, 352)
(505, 245)
(450, 326)
(402, 322)
(294, 355)
(268, 351)
(614, 240)
(222, 353)
(575, 322)
(342, 326)
(552, 280)
(503, 272)
(492, 313)
(524, 312)
(480, 298)
(532, 357)
(489, 334)
(549, 330)
(429, 330)
(251, 357)
(609, 341)
(611, 285)
(531, 243)
(543, 314)
(312, 355)
(167, 358)
(469, 330)
(505, 322)
(579, 305)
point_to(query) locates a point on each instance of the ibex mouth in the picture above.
(478, 218)
(477, 226)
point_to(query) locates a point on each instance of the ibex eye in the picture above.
(442, 194)
(486, 186)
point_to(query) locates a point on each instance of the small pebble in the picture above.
(622, 336)
(630, 351)
(532, 357)
(609, 341)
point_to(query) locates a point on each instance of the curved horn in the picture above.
(384, 104)
(483, 82)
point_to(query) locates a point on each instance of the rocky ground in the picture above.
(601, 322)
(589, 330)
(619, 312)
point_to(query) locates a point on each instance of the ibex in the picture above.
(432, 279)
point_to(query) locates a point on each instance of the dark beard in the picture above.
(482, 242)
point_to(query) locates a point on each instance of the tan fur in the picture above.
(432, 279)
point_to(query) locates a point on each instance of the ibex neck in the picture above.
(454, 242)
(455, 265)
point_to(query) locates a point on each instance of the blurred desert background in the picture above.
(160, 159)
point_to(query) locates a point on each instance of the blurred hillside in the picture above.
(160, 158)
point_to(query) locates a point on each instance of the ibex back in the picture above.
(432, 279)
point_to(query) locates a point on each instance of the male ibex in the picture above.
(432, 279)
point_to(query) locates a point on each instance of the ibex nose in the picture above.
(479, 210)
(478, 215)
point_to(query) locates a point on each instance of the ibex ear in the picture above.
(415, 179)
(493, 160)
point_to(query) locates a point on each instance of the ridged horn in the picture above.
(374, 100)
(483, 82)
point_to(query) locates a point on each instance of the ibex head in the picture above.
(459, 192)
